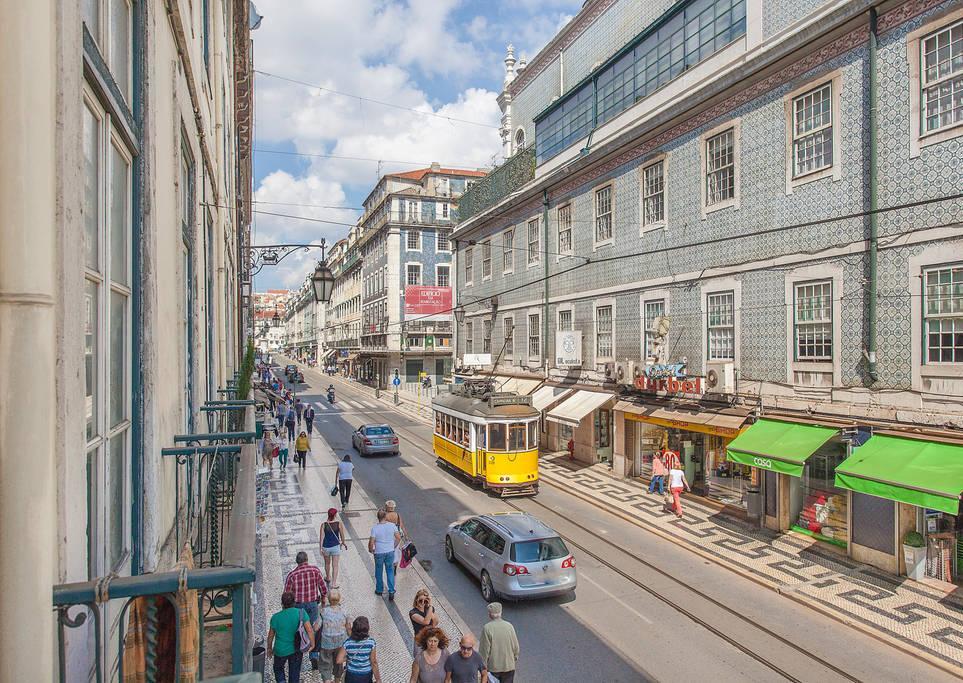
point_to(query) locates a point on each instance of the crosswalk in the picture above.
(347, 404)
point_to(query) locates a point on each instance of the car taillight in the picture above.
(367, 442)
(394, 440)
(568, 563)
(514, 569)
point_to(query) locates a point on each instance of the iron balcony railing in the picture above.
(486, 192)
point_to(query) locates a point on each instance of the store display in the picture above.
(824, 516)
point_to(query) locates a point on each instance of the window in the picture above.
(943, 314)
(812, 126)
(565, 319)
(603, 214)
(942, 78)
(509, 327)
(516, 436)
(813, 310)
(469, 338)
(116, 49)
(720, 309)
(652, 311)
(497, 436)
(469, 266)
(534, 341)
(720, 168)
(443, 243)
(413, 240)
(534, 242)
(508, 251)
(653, 194)
(413, 274)
(487, 336)
(565, 229)
(603, 332)
(444, 211)
(486, 248)
(443, 275)
(691, 34)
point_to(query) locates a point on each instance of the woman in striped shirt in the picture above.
(359, 654)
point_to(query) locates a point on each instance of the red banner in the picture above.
(421, 300)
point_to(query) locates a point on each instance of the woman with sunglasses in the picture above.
(422, 615)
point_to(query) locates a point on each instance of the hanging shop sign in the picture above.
(568, 349)
(670, 378)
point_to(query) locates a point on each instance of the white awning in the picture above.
(578, 406)
(326, 356)
(515, 385)
(546, 396)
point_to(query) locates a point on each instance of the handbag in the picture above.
(334, 490)
(302, 642)
(408, 552)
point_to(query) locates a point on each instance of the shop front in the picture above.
(699, 434)
(799, 492)
(585, 418)
(921, 480)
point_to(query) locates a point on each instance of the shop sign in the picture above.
(568, 349)
(665, 371)
(670, 385)
(421, 300)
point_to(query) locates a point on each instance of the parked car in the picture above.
(513, 554)
(373, 439)
(297, 377)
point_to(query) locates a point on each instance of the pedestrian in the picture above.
(335, 626)
(309, 418)
(267, 450)
(658, 474)
(467, 666)
(332, 543)
(422, 614)
(289, 422)
(298, 409)
(359, 654)
(345, 477)
(307, 585)
(431, 645)
(499, 645)
(279, 416)
(384, 538)
(677, 482)
(391, 515)
(301, 448)
(280, 644)
(282, 446)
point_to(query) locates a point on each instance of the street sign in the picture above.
(396, 381)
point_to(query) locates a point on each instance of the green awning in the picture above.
(928, 474)
(778, 446)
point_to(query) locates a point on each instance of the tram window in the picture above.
(533, 434)
(437, 423)
(482, 437)
(496, 436)
(516, 437)
(465, 436)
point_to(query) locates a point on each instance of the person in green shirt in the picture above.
(499, 645)
(280, 645)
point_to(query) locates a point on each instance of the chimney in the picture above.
(435, 167)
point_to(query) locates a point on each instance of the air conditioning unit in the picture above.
(720, 378)
(626, 372)
(608, 369)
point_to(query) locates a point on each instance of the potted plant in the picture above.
(914, 555)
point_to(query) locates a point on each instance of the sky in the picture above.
(442, 58)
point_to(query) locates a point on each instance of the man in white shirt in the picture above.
(384, 538)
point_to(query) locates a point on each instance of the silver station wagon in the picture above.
(513, 554)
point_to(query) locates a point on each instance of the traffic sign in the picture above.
(396, 381)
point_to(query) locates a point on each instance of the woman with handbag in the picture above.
(335, 626)
(301, 448)
(391, 515)
(286, 644)
(332, 542)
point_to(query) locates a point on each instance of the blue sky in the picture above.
(439, 57)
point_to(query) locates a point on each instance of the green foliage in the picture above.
(247, 373)
(914, 539)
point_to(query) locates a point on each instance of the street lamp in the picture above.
(323, 282)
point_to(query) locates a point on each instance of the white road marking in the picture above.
(620, 601)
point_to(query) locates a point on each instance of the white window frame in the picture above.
(438, 269)
(469, 337)
(814, 273)
(570, 250)
(421, 279)
(509, 339)
(919, 138)
(834, 80)
(799, 289)
(558, 317)
(951, 266)
(650, 297)
(103, 35)
(508, 251)
(469, 266)
(732, 202)
(447, 239)
(596, 217)
(487, 330)
(445, 211)
(486, 251)
(408, 234)
(929, 378)
(647, 225)
(533, 257)
(718, 286)
(533, 359)
(596, 346)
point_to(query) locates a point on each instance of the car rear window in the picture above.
(377, 431)
(539, 551)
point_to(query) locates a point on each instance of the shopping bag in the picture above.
(302, 642)
(408, 552)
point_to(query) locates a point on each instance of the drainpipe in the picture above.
(873, 196)
(545, 259)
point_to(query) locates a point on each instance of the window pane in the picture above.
(516, 437)
(496, 437)
(120, 45)
(90, 357)
(117, 512)
(91, 14)
(91, 186)
(119, 216)
(118, 358)
(532, 435)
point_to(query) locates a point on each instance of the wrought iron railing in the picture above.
(154, 622)
(484, 193)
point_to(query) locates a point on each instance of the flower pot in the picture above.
(915, 559)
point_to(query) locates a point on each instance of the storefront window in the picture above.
(817, 507)
(604, 434)
(726, 481)
(516, 437)
(941, 531)
(497, 434)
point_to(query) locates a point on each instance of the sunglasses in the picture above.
(466, 648)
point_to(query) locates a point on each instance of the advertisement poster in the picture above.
(421, 300)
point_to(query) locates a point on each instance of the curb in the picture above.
(805, 601)
(438, 596)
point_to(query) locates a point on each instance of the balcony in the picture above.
(486, 192)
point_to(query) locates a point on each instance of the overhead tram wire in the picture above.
(451, 119)
(367, 159)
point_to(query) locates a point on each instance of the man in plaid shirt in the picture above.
(307, 584)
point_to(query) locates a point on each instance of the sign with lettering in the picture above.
(568, 349)
(664, 371)
(422, 301)
(670, 385)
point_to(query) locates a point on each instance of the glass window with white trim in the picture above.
(534, 242)
(534, 340)
(652, 311)
(813, 311)
(565, 229)
(720, 309)
(943, 314)
(603, 214)
(603, 332)
(486, 248)
(941, 80)
(653, 194)
(720, 167)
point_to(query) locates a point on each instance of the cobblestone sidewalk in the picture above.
(297, 501)
(919, 617)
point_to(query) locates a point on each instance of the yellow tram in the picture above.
(488, 436)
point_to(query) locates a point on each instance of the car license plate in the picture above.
(382, 442)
